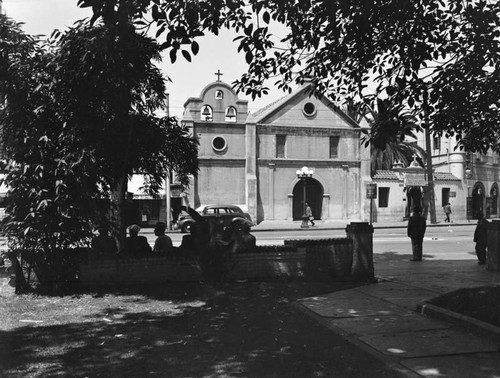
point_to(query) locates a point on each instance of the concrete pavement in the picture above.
(391, 320)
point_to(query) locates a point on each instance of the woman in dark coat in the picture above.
(480, 238)
(416, 231)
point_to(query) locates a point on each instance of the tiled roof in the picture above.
(386, 175)
(445, 176)
(414, 179)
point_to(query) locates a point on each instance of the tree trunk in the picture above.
(20, 284)
(119, 211)
(430, 176)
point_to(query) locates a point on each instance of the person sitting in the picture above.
(188, 246)
(163, 244)
(135, 245)
(104, 245)
(243, 240)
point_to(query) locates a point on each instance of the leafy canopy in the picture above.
(79, 116)
(441, 57)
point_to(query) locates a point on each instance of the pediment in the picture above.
(300, 109)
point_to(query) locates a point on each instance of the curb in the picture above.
(341, 228)
(454, 317)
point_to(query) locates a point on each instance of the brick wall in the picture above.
(268, 262)
(137, 271)
(318, 260)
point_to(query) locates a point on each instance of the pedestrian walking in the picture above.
(447, 212)
(416, 231)
(480, 238)
(309, 214)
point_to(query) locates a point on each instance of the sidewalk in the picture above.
(341, 224)
(390, 320)
(382, 319)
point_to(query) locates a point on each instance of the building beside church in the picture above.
(468, 181)
(252, 160)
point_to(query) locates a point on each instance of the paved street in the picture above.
(441, 242)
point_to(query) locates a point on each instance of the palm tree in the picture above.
(391, 135)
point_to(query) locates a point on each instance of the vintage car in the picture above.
(226, 213)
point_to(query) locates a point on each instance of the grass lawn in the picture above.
(246, 329)
(481, 303)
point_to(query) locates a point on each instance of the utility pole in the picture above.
(430, 176)
(168, 202)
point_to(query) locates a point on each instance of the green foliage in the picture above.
(391, 135)
(109, 86)
(80, 117)
(49, 200)
(434, 56)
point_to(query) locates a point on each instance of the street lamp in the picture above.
(304, 174)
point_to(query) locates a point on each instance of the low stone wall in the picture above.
(326, 259)
(267, 262)
(142, 271)
(317, 260)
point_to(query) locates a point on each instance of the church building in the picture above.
(256, 160)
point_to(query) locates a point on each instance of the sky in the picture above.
(41, 17)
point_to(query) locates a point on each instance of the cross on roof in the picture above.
(219, 74)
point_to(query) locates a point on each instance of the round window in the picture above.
(219, 143)
(309, 109)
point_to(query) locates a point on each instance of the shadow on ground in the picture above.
(245, 329)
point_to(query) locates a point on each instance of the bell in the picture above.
(207, 114)
(230, 112)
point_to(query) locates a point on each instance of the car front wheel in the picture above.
(186, 227)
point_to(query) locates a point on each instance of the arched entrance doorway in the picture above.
(314, 197)
(413, 198)
(477, 200)
(494, 200)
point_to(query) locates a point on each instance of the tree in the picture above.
(392, 135)
(109, 85)
(446, 50)
(47, 207)
(79, 118)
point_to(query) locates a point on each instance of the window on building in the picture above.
(280, 146)
(219, 143)
(334, 147)
(383, 197)
(494, 199)
(437, 143)
(309, 109)
(219, 95)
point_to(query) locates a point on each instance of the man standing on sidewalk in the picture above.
(416, 231)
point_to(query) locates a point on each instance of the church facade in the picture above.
(251, 160)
